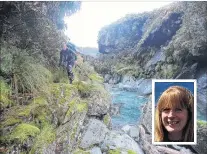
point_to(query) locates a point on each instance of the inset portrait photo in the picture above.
(174, 113)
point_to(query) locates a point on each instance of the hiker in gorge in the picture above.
(174, 114)
(68, 59)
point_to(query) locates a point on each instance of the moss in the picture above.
(61, 92)
(201, 123)
(72, 136)
(10, 121)
(41, 101)
(76, 106)
(96, 77)
(46, 137)
(82, 107)
(23, 131)
(83, 87)
(72, 107)
(116, 151)
(131, 152)
(43, 119)
(79, 151)
(106, 119)
(25, 112)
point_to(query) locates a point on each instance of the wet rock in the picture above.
(115, 109)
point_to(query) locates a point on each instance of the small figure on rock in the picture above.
(68, 59)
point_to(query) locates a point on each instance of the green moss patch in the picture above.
(202, 123)
(106, 119)
(116, 151)
(23, 131)
(79, 151)
(25, 111)
(61, 92)
(76, 105)
(131, 152)
(10, 121)
(41, 101)
(46, 137)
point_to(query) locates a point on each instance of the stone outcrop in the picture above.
(94, 133)
(168, 44)
(145, 137)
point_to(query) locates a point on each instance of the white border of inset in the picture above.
(195, 111)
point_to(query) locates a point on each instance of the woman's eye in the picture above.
(165, 110)
(178, 110)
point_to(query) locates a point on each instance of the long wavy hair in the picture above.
(175, 97)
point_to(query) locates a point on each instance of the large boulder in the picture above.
(98, 105)
(94, 133)
(119, 140)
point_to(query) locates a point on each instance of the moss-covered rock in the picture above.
(116, 151)
(131, 152)
(79, 151)
(43, 139)
(107, 120)
(23, 131)
(9, 121)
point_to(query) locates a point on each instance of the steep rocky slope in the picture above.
(170, 42)
(162, 43)
(40, 111)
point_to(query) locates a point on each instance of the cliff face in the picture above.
(170, 42)
(161, 43)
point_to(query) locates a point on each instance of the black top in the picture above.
(67, 57)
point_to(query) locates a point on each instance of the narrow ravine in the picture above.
(130, 107)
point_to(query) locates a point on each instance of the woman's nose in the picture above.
(171, 113)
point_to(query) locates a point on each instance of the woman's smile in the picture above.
(174, 120)
(172, 123)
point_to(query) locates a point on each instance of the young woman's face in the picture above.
(174, 120)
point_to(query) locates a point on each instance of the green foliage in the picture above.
(76, 105)
(131, 152)
(9, 121)
(40, 111)
(46, 137)
(61, 92)
(80, 151)
(106, 119)
(116, 151)
(23, 131)
(96, 77)
(25, 111)
(202, 123)
(84, 88)
(60, 75)
(5, 92)
(86, 80)
(27, 75)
